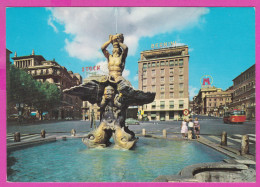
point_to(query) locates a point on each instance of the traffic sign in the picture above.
(186, 112)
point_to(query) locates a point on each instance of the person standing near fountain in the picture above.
(197, 128)
(184, 128)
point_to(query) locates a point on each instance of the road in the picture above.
(211, 128)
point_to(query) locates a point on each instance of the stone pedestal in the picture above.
(223, 139)
(245, 145)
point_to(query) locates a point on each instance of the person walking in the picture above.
(184, 128)
(191, 127)
(197, 128)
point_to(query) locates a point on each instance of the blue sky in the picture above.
(221, 41)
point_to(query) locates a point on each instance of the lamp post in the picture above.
(19, 107)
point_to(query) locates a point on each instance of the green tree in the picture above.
(43, 97)
(49, 98)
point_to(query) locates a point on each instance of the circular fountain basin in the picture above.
(72, 161)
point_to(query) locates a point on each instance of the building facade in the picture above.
(216, 103)
(165, 72)
(200, 105)
(49, 70)
(244, 92)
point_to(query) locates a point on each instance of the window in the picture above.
(153, 88)
(162, 104)
(162, 79)
(154, 105)
(181, 103)
(171, 94)
(181, 77)
(144, 81)
(149, 65)
(153, 81)
(181, 86)
(166, 63)
(145, 66)
(145, 88)
(153, 64)
(171, 63)
(171, 71)
(181, 94)
(162, 63)
(162, 71)
(180, 62)
(171, 87)
(176, 63)
(158, 64)
(145, 73)
(171, 104)
(171, 79)
(181, 70)
(162, 95)
(153, 72)
(162, 88)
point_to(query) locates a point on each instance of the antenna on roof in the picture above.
(33, 52)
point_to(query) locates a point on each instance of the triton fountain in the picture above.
(113, 94)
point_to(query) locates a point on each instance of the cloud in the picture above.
(91, 27)
(50, 22)
(193, 91)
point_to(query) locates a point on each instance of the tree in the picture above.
(43, 97)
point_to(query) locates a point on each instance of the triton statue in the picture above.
(113, 94)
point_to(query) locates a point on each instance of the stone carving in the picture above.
(113, 94)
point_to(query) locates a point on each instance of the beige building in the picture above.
(165, 72)
(216, 103)
(200, 105)
(49, 70)
(244, 92)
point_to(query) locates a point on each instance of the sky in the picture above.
(221, 41)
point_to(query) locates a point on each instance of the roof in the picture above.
(39, 57)
(244, 71)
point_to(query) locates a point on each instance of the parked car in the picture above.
(131, 121)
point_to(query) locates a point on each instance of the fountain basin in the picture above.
(71, 161)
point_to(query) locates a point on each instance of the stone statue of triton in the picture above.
(116, 61)
(113, 94)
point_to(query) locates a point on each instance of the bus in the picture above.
(234, 116)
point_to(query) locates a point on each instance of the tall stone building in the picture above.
(49, 70)
(165, 72)
(244, 92)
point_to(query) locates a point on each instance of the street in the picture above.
(209, 126)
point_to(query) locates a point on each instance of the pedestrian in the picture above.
(191, 127)
(197, 128)
(184, 128)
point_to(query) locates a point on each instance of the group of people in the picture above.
(189, 125)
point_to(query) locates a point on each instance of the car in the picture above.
(131, 121)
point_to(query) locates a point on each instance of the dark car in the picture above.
(131, 121)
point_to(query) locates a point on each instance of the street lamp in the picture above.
(19, 107)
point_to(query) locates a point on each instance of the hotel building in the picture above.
(165, 71)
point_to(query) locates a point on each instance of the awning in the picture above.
(33, 114)
(153, 115)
